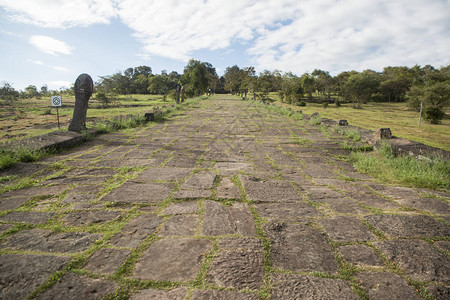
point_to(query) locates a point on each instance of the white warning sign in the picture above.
(56, 101)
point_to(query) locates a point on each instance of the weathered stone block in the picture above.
(172, 260)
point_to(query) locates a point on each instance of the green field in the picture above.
(30, 117)
(402, 121)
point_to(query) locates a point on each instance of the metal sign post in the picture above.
(57, 102)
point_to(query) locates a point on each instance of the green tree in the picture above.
(396, 81)
(158, 84)
(434, 96)
(8, 93)
(291, 88)
(31, 91)
(233, 79)
(308, 84)
(361, 86)
(44, 91)
(264, 85)
(195, 77)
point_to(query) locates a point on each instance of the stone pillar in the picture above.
(182, 93)
(84, 87)
(382, 134)
(177, 99)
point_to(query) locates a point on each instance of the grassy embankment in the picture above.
(402, 121)
(432, 172)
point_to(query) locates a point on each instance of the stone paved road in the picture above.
(227, 200)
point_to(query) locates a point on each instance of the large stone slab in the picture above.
(180, 226)
(192, 194)
(346, 229)
(35, 191)
(163, 174)
(20, 274)
(237, 269)
(227, 190)
(427, 204)
(286, 211)
(293, 286)
(181, 208)
(30, 217)
(269, 190)
(154, 294)
(49, 241)
(440, 292)
(386, 286)
(222, 220)
(361, 255)
(136, 231)
(346, 206)
(90, 217)
(371, 200)
(12, 203)
(106, 260)
(201, 180)
(418, 259)
(131, 193)
(232, 168)
(300, 248)
(321, 194)
(5, 227)
(241, 243)
(408, 226)
(74, 287)
(221, 295)
(172, 260)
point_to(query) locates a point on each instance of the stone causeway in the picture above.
(226, 200)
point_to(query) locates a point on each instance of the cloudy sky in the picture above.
(53, 41)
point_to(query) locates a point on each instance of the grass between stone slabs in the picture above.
(433, 173)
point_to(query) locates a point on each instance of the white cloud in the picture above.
(177, 28)
(60, 13)
(36, 62)
(58, 68)
(57, 84)
(344, 35)
(296, 35)
(50, 45)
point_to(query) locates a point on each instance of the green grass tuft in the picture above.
(433, 173)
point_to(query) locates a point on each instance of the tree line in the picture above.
(426, 85)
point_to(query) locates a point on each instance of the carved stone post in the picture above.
(84, 87)
(182, 93)
(177, 100)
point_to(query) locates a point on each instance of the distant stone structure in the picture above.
(183, 89)
(382, 133)
(84, 87)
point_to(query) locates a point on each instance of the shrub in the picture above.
(434, 115)
(315, 119)
(337, 103)
(302, 103)
(103, 98)
(354, 135)
(325, 104)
